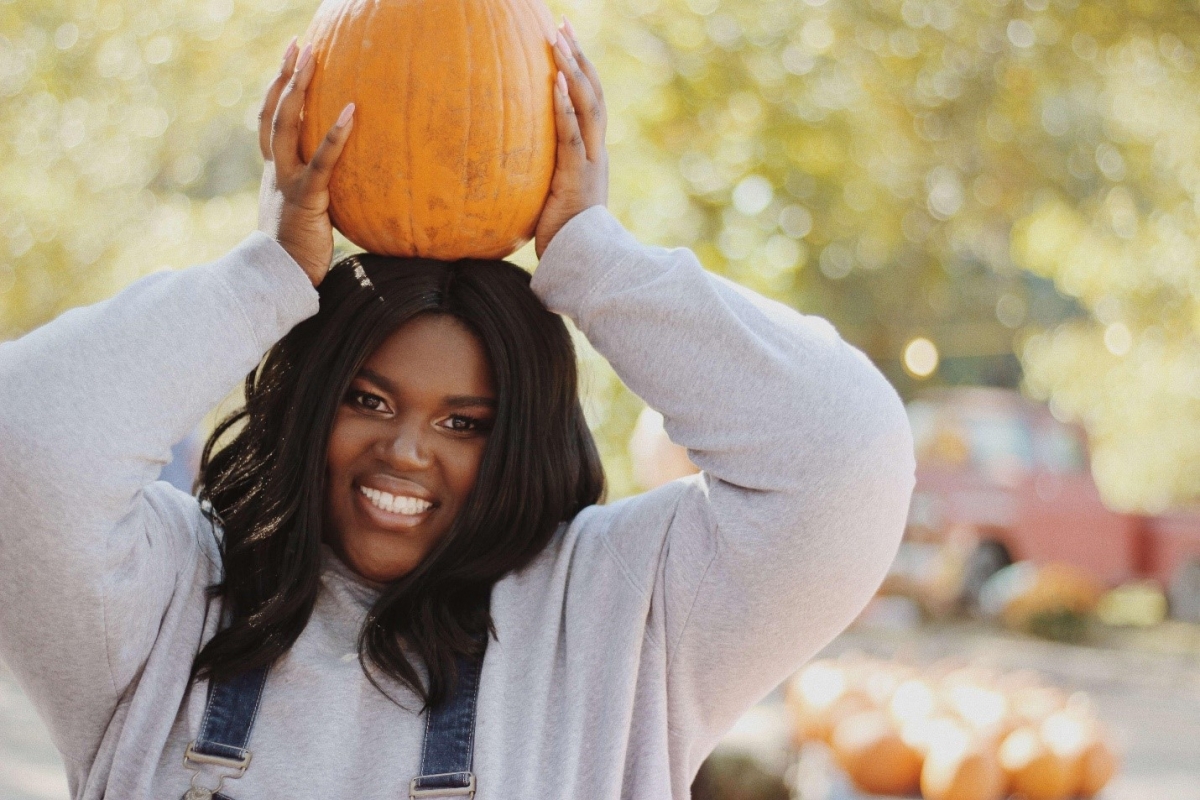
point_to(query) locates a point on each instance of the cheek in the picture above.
(462, 469)
(346, 443)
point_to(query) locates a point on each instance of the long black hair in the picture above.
(263, 469)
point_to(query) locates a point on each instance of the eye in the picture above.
(460, 423)
(366, 400)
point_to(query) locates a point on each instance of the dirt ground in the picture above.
(1145, 687)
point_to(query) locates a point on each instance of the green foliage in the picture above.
(926, 167)
(1003, 178)
(736, 776)
(125, 141)
(1060, 625)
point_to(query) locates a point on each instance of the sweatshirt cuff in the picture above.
(585, 258)
(270, 288)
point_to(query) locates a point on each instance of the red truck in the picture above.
(1001, 467)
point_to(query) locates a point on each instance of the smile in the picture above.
(395, 504)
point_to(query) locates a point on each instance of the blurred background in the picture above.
(997, 201)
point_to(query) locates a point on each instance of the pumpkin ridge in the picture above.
(465, 195)
(532, 9)
(332, 41)
(514, 207)
(408, 140)
(528, 149)
(503, 124)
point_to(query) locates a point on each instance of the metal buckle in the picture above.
(190, 757)
(414, 792)
(238, 764)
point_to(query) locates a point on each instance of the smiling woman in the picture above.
(456, 444)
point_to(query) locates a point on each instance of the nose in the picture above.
(406, 447)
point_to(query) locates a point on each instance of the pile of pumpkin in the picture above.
(963, 733)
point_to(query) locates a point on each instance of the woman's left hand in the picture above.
(581, 167)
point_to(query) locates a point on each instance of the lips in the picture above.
(398, 507)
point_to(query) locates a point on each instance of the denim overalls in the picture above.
(219, 752)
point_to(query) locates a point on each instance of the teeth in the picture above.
(397, 504)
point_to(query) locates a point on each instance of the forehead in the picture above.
(435, 354)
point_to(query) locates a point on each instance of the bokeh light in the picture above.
(921, 357)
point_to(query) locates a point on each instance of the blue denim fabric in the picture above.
(446, 757)
(450, 734)
(229, 715)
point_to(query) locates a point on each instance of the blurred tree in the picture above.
(126, 140)
(996, 176)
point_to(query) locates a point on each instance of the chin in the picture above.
(381, 563)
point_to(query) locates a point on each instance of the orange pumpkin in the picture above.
(962, 770)
(1034, 769)
(1099, 765)
(874, 756)
(820, 696)
(454, 141)
(1075, 733)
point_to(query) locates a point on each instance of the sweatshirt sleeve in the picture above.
(806, 458)
(90, 404)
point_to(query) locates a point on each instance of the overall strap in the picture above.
(225, 731)
(446, 758)
(450, 739)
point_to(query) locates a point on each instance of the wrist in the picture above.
(314, 265)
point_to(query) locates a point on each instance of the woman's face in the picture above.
(406, 445)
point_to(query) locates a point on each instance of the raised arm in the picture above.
(806, 458)
(90, 404)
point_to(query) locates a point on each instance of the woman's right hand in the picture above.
(293, 200)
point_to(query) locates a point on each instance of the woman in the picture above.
(403, 521)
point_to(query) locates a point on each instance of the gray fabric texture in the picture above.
(626, 649)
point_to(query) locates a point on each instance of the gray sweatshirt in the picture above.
(626, 649)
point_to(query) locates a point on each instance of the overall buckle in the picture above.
(235, 766)
(414, 792)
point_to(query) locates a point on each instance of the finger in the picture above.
(285, 128)
(267, 113)
(588, 115)
(584, 63)
(320, 169)
(571, 153)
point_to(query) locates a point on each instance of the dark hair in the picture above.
(540, 467)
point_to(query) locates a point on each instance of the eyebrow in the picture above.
(453, 401)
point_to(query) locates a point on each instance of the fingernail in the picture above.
(570, 28)
(305, 57)
(561, 43)
(291, 49)
(347, 114)
(561, 80)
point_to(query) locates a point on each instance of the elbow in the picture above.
(878, 437)
(867, 500)
(877, 491)
(884, 474)
(869, 446)
(891, 454)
